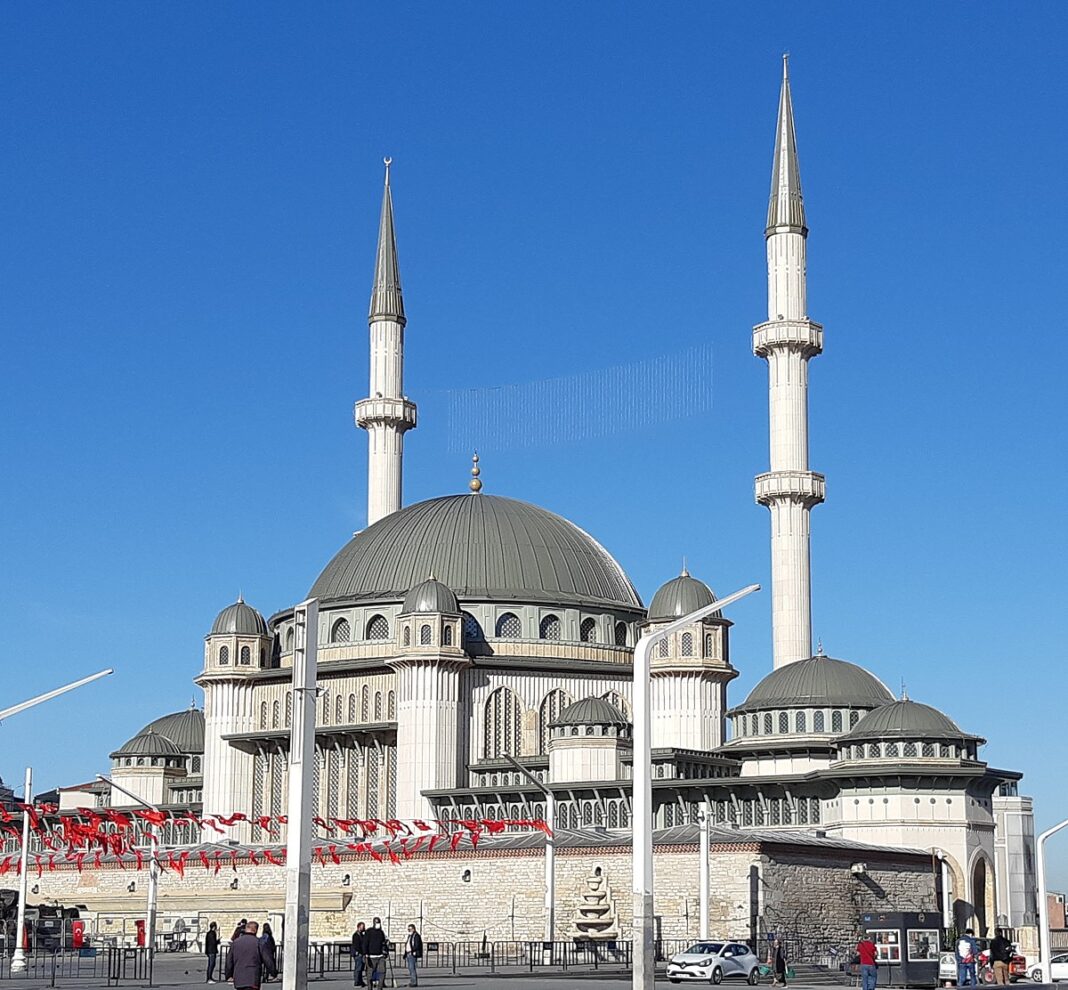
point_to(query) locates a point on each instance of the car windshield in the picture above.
(704, 949)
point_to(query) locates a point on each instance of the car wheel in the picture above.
(717, 976)
(754, 977)
(1036, 975)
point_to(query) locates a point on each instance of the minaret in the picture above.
(386, 414)
(787, 341)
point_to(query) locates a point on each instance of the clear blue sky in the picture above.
(188, 204)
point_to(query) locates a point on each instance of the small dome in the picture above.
(816, 682)
(239, 619)
(592, 711)
(184, 729)
(679, 597)
(906, 719)
(147, 743)
(431, 596)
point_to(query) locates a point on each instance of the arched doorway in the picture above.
(980, 884)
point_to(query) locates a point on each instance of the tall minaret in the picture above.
(787, 341)
(387, 414)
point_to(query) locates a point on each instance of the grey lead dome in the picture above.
(239, 619)
(431, 596)
(906, 718)
(591, 711)
(481, 547)
(680, 596)
(816, 682)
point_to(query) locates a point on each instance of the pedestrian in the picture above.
(967, 953)
(211, 950)
(359, 954)
(249, 960)
(377, 945)
(1001, 952)
(239, 930)
(413, 952)
(267, 943)
(777, 963)
(869, 972)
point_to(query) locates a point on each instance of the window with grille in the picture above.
(588, 631)
(891, 749)
(378, 706)
(621, 634)
(372, 783)
(407, 636)
(352, 766)
(391, 706)
(333, 784)
(224, 655)
(508, 626)
(802, 811)
(755, 727)
(800, 722)
(663, 649)
(943, 751)
(289, 708)
(276, 783)
(196, 764)
(548, 712)
(836, 721)
(339, 710)
(246, 657)
(784, 721)
(767, 724)
(549, 628)
(472, 630)
(708, 644)
(928, 749)
(613, 814)
(775, 813)
(377, 627)
(326, 708)
(687, 644)
(854, 717)
(352, 709)
(873, 751)
(365, 704)
(446, 635)
(910, 749)
(758, 813)
(342, 631)
(814, 811)
(503, 730)
(263, 714)
(274, 715)
(425, 635)
(741, 726)
(290, 636)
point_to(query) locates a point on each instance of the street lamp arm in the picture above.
(49, 695)
(130, 794)
(684, 621)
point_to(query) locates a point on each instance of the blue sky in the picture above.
(189, 198)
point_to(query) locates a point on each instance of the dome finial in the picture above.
(475, 485)
(240, 597)
(685, 572)
(819, 648)
(387, 162)
(904, 690)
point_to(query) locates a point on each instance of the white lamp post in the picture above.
(1043, 904)
(49, 695)
(702, 869)
(550, 850)
(644, 972)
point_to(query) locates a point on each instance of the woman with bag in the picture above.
(777, 963)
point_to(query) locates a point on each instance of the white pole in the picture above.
(299, 810)
(48, 696)
(550, 869)
(153, 894)
(703, 866)
(18, 960)
(1043, 903)
(644, 968)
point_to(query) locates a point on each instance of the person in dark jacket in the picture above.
(413, 952)
(377, 945)
(359, 953)
(211, 950)
(267, 942)
(777, 962)
(1001, 953)
(248, 960)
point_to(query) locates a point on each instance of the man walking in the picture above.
(377, 945)
(248, 960)
(359, 953)
(413, 952)
(869, 970)
(211, 950)
(967, 953)
(1000, 956)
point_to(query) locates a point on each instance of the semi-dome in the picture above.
(591, 711)
(147, 743)
(817, 682)
(906, 719)
(185, 729)
(680, 596)
(482, 547)
(239, 619)
(431, 596)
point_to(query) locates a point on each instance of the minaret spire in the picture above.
(387, 414)
(787, 341)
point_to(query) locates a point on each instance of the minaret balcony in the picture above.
(803, 335)
(380, 410)
(807, 487)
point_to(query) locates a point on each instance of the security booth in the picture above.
(907, 946)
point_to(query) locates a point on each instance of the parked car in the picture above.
(1058, 969)
(985, 971)
(714, 962)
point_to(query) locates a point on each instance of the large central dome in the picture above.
(482, 547)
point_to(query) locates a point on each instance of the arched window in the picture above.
(246, 657)
(503, 730)
(378, 706)
(621, 634)
(377, 627)
(755, 727)
(339, 710)
(274, 715)
(928, 749)
(836, 721)
(425, 635)
(784, 721)
(263, 714)
(508, 626)
(891, 749)
(407, 636)
(687, 644)
(341, 632)
(365, 704)
(391, 706)
(767, 724)
(289, 708)
(854, 717)
(326, 707)
(742, 726)
(551, 707)
(873, 751)
(613, 814)
(663, 649)
(817, 722)
(263, 657)
(446, 635)
(708, 644)
(588, 630)
(587, 812)
(910, 749)
(549, 628)
(224, 655)
(472, 630)
(290, 639)
(800, 722)
(196, 764)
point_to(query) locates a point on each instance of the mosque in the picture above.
(463, 633)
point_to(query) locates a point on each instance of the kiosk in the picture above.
(907, 946)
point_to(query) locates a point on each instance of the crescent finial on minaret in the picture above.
(387, 162)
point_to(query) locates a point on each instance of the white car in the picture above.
(1058, 966)
(714, 962)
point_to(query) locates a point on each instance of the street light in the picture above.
(1043, 903)
(550, 850)
(642, 818)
